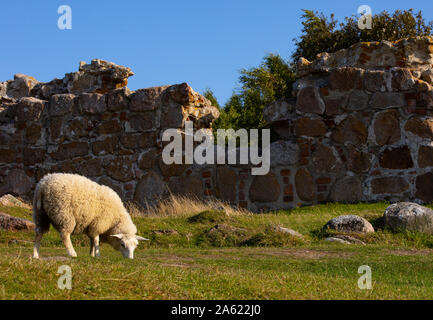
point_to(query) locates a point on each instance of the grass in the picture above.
(202, 252)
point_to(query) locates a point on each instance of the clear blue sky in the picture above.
(204, 43)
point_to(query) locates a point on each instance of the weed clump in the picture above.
(209, 216)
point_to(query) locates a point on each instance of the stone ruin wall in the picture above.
(359, 129)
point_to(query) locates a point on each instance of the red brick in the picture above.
(285, 172)
(206, 174)
(321, 188)
(323, 180)
(288, 199)
(241, 195)
(303, 161)
(288, 190)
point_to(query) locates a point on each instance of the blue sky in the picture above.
(204, 43)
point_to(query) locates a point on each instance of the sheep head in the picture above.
(125, 243)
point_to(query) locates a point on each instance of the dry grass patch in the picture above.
(182, 206)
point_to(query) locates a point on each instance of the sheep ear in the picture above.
(118, 236)
(141, 238)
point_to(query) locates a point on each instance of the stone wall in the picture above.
(362, 122)
(359, 129)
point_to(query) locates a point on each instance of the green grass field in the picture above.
(185, 260)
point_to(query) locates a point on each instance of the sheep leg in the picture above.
(94, 247)
(66, 238)
(38, 238)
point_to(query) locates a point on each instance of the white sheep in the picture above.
(74, 204)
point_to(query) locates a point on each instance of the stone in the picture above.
(33, 133)
(71, 150)
(389, 185)
(140, 140)
(226, 181)
(396, 158)
(93, 103)
(346, 190)
(287, 231)
(91, 168)
(335, 104)
(344, 239)
(338, 240)
(147, 159)
(170, 170)
(265, 188)
(402, 79)
(279, 110)
(77, 128)
(358, 100)
(350, 130)
(150, 189)
(109, 127)
(21, 86)
(304, 185)
(386, 100)
(7, 155)
(283, 153)
(29, 109)
(173, 117)
(422, 128)
(189, 186)
(45, 90)
(309, 127)
(61, 104)
(9, 200)
(323, 160)
(309, 101)
(16, 182)
(32, 156)
(358, 161)
(346, 78)
(97, 77)
(121, 169)
(143, 121)
(107, 145)
(427, 76)
(374, 81)
(424, 187)
(118, 99)
(146, 99)
(407, 216)
(425, 156)
(349, 223)
(387, 127)
(425, 100)
(10, 223)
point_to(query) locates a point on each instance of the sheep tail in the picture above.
(40, 218)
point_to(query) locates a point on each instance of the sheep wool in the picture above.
(74, 204)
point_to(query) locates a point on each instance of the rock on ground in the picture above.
(409, 216)
(349, 223)
(9, 200)
(11, 223)
(288, 231)
(344, 239)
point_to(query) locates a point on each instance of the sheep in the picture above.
(75, 205)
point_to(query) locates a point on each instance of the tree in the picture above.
(271, 81)
(320, 33)
(208, 94)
